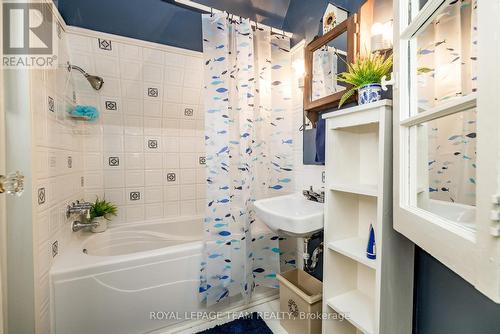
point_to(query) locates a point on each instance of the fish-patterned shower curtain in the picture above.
(249, 153)
(447, 67)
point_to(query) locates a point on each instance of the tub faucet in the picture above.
(77, 225)
(81, 208)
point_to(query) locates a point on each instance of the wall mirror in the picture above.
(326, 57)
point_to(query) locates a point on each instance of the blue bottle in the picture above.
(371, 249)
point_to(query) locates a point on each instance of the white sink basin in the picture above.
(291, 215)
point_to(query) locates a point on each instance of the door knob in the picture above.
(12, 183)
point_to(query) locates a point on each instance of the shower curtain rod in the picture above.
(192, 4)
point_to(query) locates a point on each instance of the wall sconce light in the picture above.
(299, 69)
(381, 36)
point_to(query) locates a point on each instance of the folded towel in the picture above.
(320, 140)
(89, 112)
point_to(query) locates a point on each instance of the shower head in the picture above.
(95, 81)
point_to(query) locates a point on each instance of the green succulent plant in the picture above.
(102, 208)
(364, 71)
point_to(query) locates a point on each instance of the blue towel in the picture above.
(320, 140)
(88, 112)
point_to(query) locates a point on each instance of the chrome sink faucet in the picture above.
(314, 196)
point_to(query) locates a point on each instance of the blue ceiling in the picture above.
(270, 12)
(161, 21)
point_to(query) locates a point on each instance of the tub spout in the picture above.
(77, 226)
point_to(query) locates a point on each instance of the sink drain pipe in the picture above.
(314, 257)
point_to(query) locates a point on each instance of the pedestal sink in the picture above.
(291, 215)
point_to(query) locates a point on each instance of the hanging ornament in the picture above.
(333, 16)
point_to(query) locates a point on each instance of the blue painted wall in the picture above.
(303, 17)
(446, 304)
(149, 20)
(162, 22)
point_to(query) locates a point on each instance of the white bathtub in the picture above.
(462, 214)
(108, 283)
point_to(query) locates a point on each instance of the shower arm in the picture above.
(78, 68)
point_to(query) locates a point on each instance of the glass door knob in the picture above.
(12, 184)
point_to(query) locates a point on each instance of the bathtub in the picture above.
(109, 283)
(462, 214)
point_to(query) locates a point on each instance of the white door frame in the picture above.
(473, 255)
(3, 230)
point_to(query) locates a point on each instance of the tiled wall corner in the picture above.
(57, 170)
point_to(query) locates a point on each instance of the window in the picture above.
(439, 115)
(446, 138)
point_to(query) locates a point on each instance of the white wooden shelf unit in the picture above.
(375, 296)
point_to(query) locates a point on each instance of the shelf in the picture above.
(357, 307)
(358, 110)
(359, 189)
(354, 248)
(372, 298)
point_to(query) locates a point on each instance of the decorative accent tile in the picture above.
(59, 30)
(82, 181)
(202, 160)
(189, 112)
(110, 105)
(51, 104)
(105, 44)
(114, 161)
(70, 161)
(153, 143)
(52, 161)
(135, 195)
(41, 196)
(55, 248)
(153, 92)
(171, 177)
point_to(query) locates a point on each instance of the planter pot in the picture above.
(369, 93)
(102, 225)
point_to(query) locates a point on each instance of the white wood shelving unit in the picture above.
(375, 296)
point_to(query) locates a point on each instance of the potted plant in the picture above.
(365, 75)
(100, 213)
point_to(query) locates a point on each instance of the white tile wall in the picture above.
(305, 175)
(58, 165)
(151, 130)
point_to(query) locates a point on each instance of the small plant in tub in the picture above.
(365, 75)
(100, 212)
